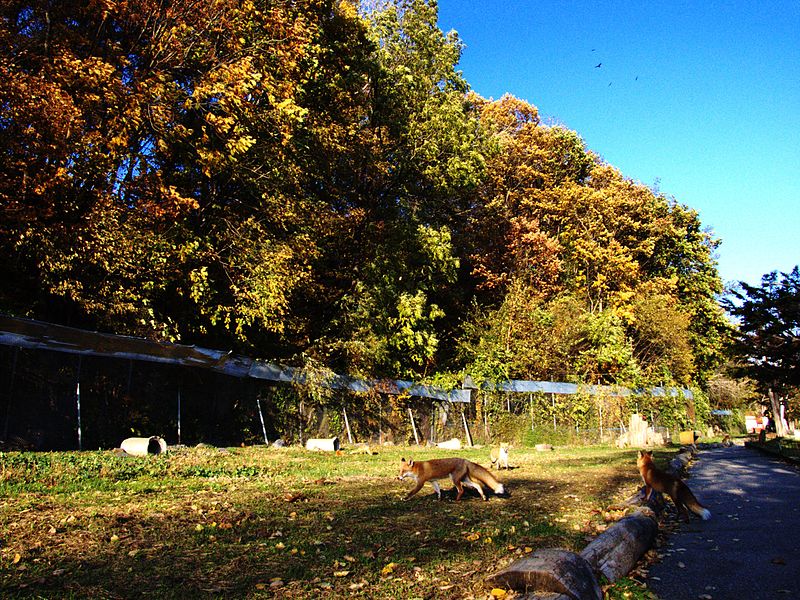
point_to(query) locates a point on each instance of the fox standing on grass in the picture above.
(499, 456)
(658, 480)
(461, 472)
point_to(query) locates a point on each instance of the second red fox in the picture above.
(460, 471)
(658, 480)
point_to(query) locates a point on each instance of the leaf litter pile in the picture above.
(284, 522)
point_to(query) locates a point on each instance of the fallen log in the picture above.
(614, 553)
(550, 570)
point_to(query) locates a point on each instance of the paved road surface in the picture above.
(750, 549)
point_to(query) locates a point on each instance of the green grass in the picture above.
(260, 522)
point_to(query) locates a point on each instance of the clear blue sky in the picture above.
(700, 99)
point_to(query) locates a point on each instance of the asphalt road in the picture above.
(750, 548)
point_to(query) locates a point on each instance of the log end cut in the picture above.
(550, 570)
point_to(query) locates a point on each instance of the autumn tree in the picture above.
(553, 227)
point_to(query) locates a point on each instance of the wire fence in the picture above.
(56, 401)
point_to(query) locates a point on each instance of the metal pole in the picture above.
(179, 416)
(600, 408)
(302, 418)
(553, 398)
(347, 425)
(10, 391)
(261, 416)
(530, 402)
(466, 428)
(78, 401)
(413, 426)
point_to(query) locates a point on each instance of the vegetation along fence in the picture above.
(63, 388)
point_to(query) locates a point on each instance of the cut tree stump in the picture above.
(550, 570)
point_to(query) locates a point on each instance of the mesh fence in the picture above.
(56, 401)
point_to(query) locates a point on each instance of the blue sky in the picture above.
(699, 99)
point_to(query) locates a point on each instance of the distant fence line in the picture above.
(37, 335)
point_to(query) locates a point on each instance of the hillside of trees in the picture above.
(315, 183)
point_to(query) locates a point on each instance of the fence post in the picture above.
(179, 415)
(78, 402)
(530, 402)
(10, 391)
(600, 408)
(466, 428)
(261, 416)
(413, 426)
(302, 418)
(553, 399)
(347, 425)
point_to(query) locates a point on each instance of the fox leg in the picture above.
(436, 488)
(415, 489)
(460, 489)
(475, 486)
(648, 491)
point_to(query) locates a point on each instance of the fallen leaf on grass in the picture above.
(17, 558)
(341, 573)
(358, 586)
(498, 593)
(472, 537)
(389, 569)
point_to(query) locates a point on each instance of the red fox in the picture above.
(462, 472)
(655, 479)
(499, 456)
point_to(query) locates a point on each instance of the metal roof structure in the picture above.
(37, 335)
(26, 333)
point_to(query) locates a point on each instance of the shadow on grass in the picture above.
(355, 537)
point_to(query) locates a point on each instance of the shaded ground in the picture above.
(263, 523)
(751, 546)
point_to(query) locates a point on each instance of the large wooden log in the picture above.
(615, 552)
(550, 570)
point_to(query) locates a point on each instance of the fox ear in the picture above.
(411, 462)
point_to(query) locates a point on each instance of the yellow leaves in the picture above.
(17, 558)
(389, 569)
(240, 145)
(473, 537)
(498, 593)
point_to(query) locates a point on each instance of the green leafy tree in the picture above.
(768, 337)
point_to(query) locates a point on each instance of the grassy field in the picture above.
(264, 522)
